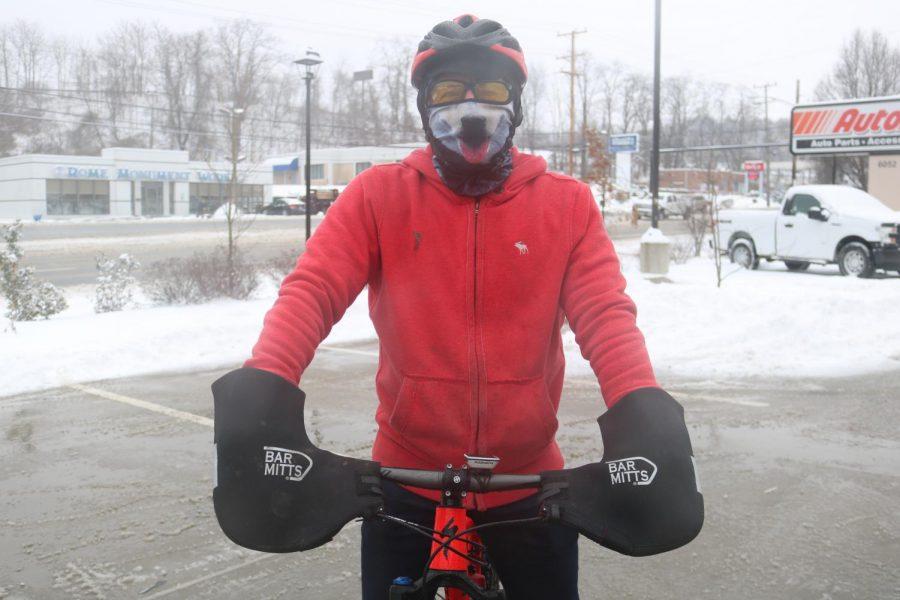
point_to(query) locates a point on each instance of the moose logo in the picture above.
(290, 464)
(636, 470)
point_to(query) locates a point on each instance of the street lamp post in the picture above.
(654, 151)
(654, 254)
(310, 63)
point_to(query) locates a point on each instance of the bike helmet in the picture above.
(467, 32)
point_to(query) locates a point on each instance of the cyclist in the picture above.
(474, 255)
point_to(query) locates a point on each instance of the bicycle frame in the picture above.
(454, 560)
(457, 561)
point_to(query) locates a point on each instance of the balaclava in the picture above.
(471, 140)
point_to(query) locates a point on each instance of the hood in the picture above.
(525, 168)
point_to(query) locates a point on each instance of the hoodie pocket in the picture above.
(518, 421)
(432, 416)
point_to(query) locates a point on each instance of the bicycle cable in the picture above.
(446, 543)
(424, 531)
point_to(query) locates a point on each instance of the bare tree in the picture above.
(533, 99)
(677, 98)
(184, 80)
(122, 69)
(7, 60)
(868, 66)
(61, 53)
(609, 80)
(633, 92)
(395, 60)
(245, 58)
(30, 48)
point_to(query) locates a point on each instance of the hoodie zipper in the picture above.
(476, 387)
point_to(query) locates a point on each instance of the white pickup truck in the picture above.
(819, 224)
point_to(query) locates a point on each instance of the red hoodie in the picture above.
(468, 296)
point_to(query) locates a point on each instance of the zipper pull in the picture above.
(477, 204)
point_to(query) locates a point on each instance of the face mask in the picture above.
(474, 131)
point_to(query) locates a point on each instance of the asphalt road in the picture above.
(65, 253)
(104, 496)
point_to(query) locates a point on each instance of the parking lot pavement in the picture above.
(105, 491)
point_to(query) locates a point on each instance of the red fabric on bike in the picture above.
(468, 319)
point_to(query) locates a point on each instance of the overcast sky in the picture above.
(730, 41)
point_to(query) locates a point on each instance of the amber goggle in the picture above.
(451, 91)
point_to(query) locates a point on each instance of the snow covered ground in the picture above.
(759, 324)
(764, 323)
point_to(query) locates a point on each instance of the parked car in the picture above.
(284, 206)
(816, 224)
(670, 205)
(323, 199)
(695, 203)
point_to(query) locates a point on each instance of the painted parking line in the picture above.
(705, 398)
(174, 412)
(151, 406)
(182, 586)
(349, 351)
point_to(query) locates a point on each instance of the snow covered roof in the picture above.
(388, 153)
(850, 200)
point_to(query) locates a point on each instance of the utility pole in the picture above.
(794, 156)
(765, 87)
(572, 73)
(584, 116)
(654, 151)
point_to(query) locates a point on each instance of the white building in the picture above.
(123, 182)
(332, 167)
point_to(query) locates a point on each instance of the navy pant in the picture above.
(535, 561)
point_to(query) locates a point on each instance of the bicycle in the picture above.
(275, 491)
(458, 562)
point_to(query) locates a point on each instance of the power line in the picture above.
(715, 148)
(138, 127)
(269, 121)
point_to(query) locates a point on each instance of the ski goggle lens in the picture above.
(450, 92)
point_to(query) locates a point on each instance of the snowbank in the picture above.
(79, 345)
(760, 324)
(765, 323)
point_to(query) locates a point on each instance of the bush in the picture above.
(278, 267)
(27, 297)
(200, 278)
(115, 282)
(681, 250)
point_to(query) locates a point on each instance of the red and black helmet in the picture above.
(467, 32)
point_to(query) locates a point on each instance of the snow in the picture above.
(765, 323)
(851, 201)
(737, 201)
(654, 236)
(760, 324)
(79, 345)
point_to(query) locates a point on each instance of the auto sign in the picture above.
(863, 126)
